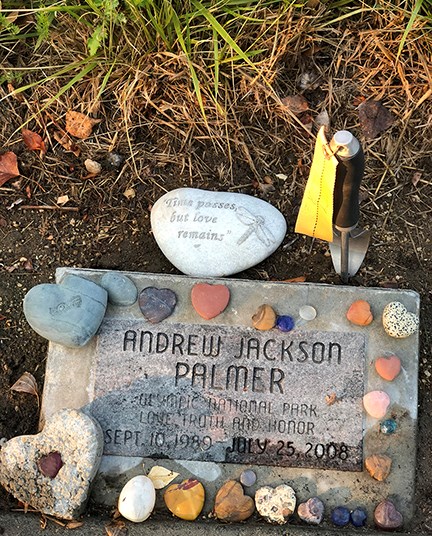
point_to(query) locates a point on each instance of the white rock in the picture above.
(137, 499)
(213, 234)
(398, 322)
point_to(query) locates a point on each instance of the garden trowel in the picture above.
(330, 205)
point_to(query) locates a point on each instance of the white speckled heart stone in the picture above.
(69, 313)
(213, 234)
(276, 504)
(398, 322)
(79, 440)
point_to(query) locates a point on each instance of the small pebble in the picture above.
(265, 318)
(311, 511)
(307, 312)
(340, 516)
(248, 477)
(185, 500)
(137, 499)
(358, 517)
(114, 160)
(388, 426)
(92, 166)
(285, 323)
(156, 304)
(121, 290)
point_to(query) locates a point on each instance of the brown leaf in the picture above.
(116, 528)
(297, 104)
(80, 125)
(8, 167)
(300, 279)
(374, 118)
(26, 384)
(74, 524)
(33, 141)
(66, 142)
(266, 187)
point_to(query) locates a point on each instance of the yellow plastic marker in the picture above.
(315, 217)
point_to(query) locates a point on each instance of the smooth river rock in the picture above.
(121, 290)
(214, 234)
(68, 313)
(53, 470)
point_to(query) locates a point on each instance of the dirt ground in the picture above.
(106, 224)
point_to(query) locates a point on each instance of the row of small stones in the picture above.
(276, 505)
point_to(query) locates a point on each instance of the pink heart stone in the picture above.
(388, 367)
(209, 300)
(376, 403)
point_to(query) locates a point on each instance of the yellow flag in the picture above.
(315, 217)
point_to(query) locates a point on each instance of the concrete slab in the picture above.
(105, 377)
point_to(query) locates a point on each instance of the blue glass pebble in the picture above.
(340, 516)
(388, 426)
(358, 517)
(285, 323)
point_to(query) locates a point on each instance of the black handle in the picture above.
(349, 174)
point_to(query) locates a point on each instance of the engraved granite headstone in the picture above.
(230, 394)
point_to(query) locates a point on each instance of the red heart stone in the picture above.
(209, 300)
(388, 367)
(387, 517)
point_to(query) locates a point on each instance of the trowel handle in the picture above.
(349, 174)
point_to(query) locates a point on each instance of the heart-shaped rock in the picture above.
(156, 304)
(209, 300)
(388, 367)
(275, 504)
(213, 234)
(68, 313)
(231, 504)
(387, 517)
(311, 511)
(376, 403)
(78, 440)
(398, 322)
(185, 500)
(360, 313)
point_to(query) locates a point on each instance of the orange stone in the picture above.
(264, 318)
(360, 313)
(378, 466)
(209, 300)
(185, 500)
(388, 367)
(231, 504)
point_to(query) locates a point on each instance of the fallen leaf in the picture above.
(358, 100)
(33, 140)
(161, 477)
(297, 104)
(80, 125)
(66, 142)
(129, 193)
(266, 187)
(26, 384)
(8, 167)
(307, 121)
(116, 528)
(416, 177)
(62, 200)
(374, 118)
(300, 279)
(74, 524)
(331, 399)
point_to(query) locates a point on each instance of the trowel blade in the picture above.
(358, 245)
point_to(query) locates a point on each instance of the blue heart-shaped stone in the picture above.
(68, 313)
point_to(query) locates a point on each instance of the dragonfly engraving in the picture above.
(255, 224)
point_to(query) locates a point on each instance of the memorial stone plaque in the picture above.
(230, 394)
(208, 398)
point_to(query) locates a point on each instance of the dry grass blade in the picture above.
(26, 384)
(116, 528)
